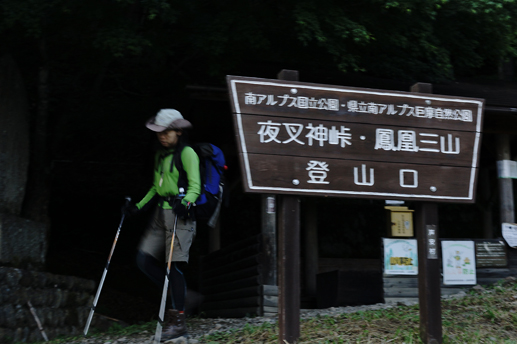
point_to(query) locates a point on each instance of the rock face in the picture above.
(22, 242)
(14, 137)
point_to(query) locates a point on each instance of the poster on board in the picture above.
(400, 256)
(459, 262)
(510, 234)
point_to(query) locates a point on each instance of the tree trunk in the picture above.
(36, 202)
(14, 137)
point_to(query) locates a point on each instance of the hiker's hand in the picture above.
(183, 209)
(130, 209)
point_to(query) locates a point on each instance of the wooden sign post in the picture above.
(289, 254)
(429, 291)
(299, 138)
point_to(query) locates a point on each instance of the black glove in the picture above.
(130, 209)
(183, 209)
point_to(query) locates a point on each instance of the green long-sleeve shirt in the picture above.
(166, 181)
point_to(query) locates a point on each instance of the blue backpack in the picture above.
(211, 169)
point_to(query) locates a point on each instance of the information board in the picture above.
(491, 253)
(459, 262)
(301, 138)
(400, 256)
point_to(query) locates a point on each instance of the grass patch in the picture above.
(486, 317)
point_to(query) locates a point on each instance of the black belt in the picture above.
(168, 199)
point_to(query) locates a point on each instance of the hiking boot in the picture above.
(174, 325)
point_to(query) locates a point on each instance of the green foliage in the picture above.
(29, 15)
(121, 40)
(427, 40)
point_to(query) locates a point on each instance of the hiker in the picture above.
(170, 128)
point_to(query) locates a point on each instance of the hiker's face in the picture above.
(169, 138)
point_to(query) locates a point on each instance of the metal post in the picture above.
(507, 210)
(269, 247)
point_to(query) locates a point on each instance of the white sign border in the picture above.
(244, 149)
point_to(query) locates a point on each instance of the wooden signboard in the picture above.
(310, 139)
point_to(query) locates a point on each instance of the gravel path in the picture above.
(200, 327)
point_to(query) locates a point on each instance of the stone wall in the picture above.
(23, 243)
(62, 304)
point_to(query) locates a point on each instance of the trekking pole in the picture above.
(161, 314)
(38, 322)
(92, 310)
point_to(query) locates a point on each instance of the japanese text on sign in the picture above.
(432, 245)
(355, 106)
(385, 139)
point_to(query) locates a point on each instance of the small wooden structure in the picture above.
(232, 281)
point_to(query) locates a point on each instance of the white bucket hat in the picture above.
(167, 119)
